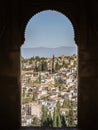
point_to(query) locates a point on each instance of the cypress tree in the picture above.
(49, 120)
(63, 120)
(44, 116)
(53, 64)
(59, 120)
(55, 118)
(71, 119)
(58, 105)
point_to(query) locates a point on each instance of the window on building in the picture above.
(49, 72)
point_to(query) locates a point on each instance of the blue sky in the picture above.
(49, 29)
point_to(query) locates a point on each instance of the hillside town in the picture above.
(49, 91)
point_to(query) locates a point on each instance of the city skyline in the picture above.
(48, 52)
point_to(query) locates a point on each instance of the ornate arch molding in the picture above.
(64, 11)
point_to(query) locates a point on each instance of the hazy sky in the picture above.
(49, 29)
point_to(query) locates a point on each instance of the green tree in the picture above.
(58, 105)
(33, 97)
(59, 124)
(55, 118)
(53, 58)
(57, 67)
(44, 117)
(39, 79)
(42, 65)
(35, 121)
(58, 118)
(49, 120)
(63, 120)
(36, 66)
(39, 66)
(45, 66)
(70, 116)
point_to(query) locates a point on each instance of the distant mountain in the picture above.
(48, 52)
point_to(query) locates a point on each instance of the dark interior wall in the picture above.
(88, 56)
(14, 16)
(9, 65)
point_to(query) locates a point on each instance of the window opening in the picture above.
(49, 72)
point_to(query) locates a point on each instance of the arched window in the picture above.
(49, 72)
